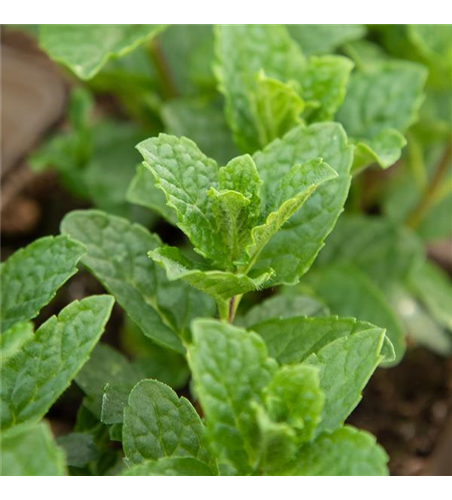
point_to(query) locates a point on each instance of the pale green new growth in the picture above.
(31, 277)
(170, 466)
(34, 378)
(86, 48)
(157, 424)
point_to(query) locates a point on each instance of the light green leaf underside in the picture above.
(31, 451)
(32, 275)
(35, 377)
(117, 256)
(221, 285)
(345, 452)
(13, 340)
(86, 48)
(349, 292)
(293, 249)
(157, 424)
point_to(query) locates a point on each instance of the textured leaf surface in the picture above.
(32, 275)
(230, 367)
(293, 249)
(86, 48)
(185, 174)
(349, 292)
(324, 38)
(221, 285)
(117, 256)
(345, 452)
(31, 451)
(383, 99)
(157, 423)
(34, 378)
(291, 193)
(346, 365)
(292, 340)
(13, 340)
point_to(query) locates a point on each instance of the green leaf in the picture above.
(324, 38)
(170, 466)
(185, 174)
(230, 368)
(34, 378)
(324, 85)
(157, 423)
(293, 340)
(283, 306)
(86, 48)
(434, 288)
(80, 449)
(276, 106)
(203, 122)
(294, 396)
(106, 366)
(13, 340)
(349, 292)
(292, 192)
(241, 175)
(31, 277)
(31, 451)
(157, 362)
(346, 365)
(420, 324)
(142, 191)
(382, 101)
(386, 251)
(68, 152)
(345, 452)
(117, 257)
(243, 51)
(221, 285)
(293, 249)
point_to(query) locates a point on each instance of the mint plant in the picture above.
(272, 310)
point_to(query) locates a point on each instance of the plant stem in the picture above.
(417, 214)
(168, 87)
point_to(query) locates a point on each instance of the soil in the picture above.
(406, 408)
